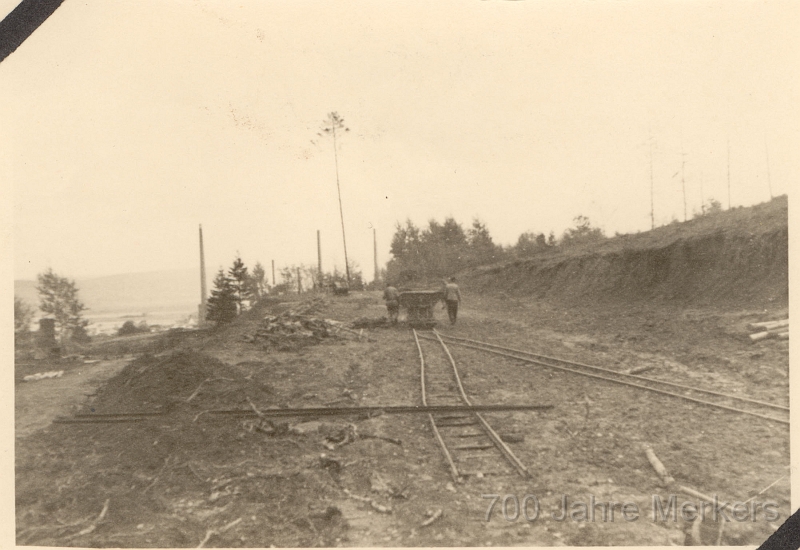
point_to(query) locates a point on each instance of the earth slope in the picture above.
(736, 258)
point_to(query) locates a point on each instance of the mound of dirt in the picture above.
(184, 377)
(737, 258)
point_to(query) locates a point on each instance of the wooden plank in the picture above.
(770, 324)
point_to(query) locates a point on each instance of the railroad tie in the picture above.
(456, 424)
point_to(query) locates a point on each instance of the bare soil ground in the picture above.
(38, 403)
(186, 478)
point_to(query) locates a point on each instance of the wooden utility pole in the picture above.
(375, 255)
(319, 259)
(273, 272)
(201, 310)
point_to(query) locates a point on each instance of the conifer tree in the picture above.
(240, 280)
(221, 307)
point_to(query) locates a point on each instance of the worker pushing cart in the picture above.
(392, 298)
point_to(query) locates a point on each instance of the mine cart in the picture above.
(340, 289)
(419, 306)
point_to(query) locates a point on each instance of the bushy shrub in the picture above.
(129, 328)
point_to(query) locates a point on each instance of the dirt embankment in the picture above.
(737, 258)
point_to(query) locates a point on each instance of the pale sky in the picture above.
(125, 124)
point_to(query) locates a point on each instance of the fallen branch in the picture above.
(433, 517)
(384, 438)
(669, 480)
(230, 525)
(765, 489)
(377, 506)
(211, 532)
(93, 526)
(658, 466)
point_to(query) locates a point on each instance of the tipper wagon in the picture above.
(419, 306)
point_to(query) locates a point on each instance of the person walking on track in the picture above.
(392, 298)
(452, 298)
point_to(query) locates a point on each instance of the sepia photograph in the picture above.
(399, 274)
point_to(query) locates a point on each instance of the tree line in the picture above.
(234, 290)
(441, 249)
(418, 254)
(237, 289)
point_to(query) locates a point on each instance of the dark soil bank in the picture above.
(737, 258)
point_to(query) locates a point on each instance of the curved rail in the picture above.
(447, 455)
(489, 432)
(640, 382)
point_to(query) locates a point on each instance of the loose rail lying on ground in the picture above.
(392, 409)
(457, 428)
(99, 418)
(723, 401)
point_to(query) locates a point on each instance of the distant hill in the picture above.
(130, 292)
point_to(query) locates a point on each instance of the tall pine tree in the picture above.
(239, 277)
(221, 307)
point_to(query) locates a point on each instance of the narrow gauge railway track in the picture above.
(468, 442)
(728, 402)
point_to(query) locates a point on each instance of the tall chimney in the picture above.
(201, 310)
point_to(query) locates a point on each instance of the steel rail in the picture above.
(622, 374)
(510, 456)
(482, 346)
(105, 420)
(452, 465)
(495, 439)
(117, 415)
(392, 409)
(100, 418)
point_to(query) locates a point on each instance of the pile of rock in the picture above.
(293, 328)
(296, 325)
